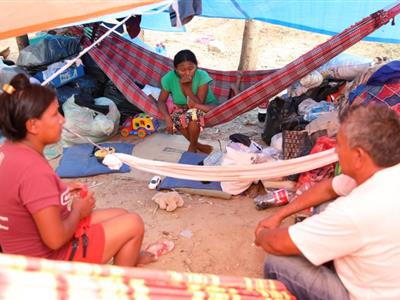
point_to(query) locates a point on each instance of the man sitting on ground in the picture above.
(359, 231)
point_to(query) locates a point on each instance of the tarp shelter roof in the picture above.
(24, 16)
(320, 16)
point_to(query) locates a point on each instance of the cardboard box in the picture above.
(68, 75)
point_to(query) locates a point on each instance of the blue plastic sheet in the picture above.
(78, 161)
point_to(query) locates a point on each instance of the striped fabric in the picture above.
(125, 63)
(27, 278)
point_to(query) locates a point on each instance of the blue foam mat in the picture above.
(189, 158)
(78, 161)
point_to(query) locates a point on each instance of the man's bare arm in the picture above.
(276, 241)
(317, 194)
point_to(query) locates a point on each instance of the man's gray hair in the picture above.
(376, 129)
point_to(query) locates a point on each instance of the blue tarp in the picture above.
(320, 16)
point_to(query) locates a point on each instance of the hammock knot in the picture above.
(381, 18)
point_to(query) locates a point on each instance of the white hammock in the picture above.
(262, 171)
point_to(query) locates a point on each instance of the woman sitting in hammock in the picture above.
(192, 96)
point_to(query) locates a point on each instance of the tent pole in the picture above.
(248, 55)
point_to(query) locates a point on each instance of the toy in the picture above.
(168, 201)
(154, 182)
(101, 153)
(141, 125)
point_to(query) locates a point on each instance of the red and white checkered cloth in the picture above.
(124, 63)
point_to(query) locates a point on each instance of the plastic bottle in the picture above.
(214, 159)
(272, 199)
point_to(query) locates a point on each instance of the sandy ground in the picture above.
(221, 230)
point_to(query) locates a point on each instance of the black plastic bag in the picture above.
(126, 108)
(282, 115)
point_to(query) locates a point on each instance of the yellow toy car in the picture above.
(141, 125)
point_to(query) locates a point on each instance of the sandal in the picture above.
(160, 248)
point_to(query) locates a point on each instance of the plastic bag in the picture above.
(49, 50)
(214, 159)
(237, 154)
(318, 110)
(309, 81)
(345, 66)
(8, 72)
(277, 109)
(328, 121)
(269, 154)
(89, 123)
(124, 106)
(277, 142)
(306, 105)
(308, 179)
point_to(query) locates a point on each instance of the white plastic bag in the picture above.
(152, 90)
(312, 80)
(237, 154)
(277, 142)
(309, 81)
(345, 66)
(89, 123)
(306, 105)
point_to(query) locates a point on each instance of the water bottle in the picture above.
(214, 159)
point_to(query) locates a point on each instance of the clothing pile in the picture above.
(305, 121)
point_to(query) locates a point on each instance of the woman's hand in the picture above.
(191, 103)
(75, 185)
(186, 80)
(169, 125)
(84, 205)
(55, 231)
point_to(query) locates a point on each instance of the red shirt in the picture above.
(27, 185)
